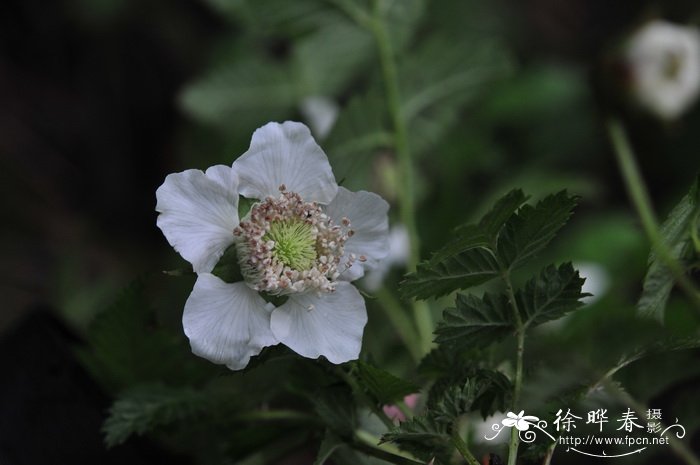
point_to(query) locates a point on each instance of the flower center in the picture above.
(295, 243)
(286, 245)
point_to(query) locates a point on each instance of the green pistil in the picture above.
(295, 243)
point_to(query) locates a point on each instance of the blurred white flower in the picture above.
(597, 280)
(305, 239)
(664, 64)
(320, 113)
(399, 251)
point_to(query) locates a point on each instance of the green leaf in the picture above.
(485, 233)
(469, 390)
(329, 445)
(469, 268)
(555, 292)
(676, 235)
(326, 60)
(143, 409)
(126, 346)
(504, 208)
(251, 91)
(468, 260)
(657, 348)
(424, 437)
(435, 97)
(384, 387)
(528, 231)
(476, 322)
(504, 238)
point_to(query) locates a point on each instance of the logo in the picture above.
(626, 431)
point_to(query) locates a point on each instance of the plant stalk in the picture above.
(407, 204)
(400, 320)
(462, 448)
(518, 381)
(639, 196)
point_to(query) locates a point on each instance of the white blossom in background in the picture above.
(304, 239)
(597, 280)
(399, 252)
(663, 60)
(321, 114)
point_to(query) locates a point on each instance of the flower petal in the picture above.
(368, 217)
(198, 212)
(329, 324)
(226, 323)
(285, 154)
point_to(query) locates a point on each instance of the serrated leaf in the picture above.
(552, 294)
(493, 221)
(146, 408)
(485, 233)
(384, 387)
(475, 322)
(532, 227)
(468, 260)
(468, 390)
(423, 437)
(675, 233)
(469, 268)
(468, 237)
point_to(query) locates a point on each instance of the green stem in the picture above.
(640, 198)
(677, 447)
(400, 320)
(462, 448)
(518, 381)
(407, 205)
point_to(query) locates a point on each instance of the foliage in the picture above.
(679, 233)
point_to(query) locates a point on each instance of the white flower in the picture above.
(304, 239)
(664, 64)
(520, 421)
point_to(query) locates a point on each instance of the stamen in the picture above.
(286, 245)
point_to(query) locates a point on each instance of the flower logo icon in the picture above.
(520, 421)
